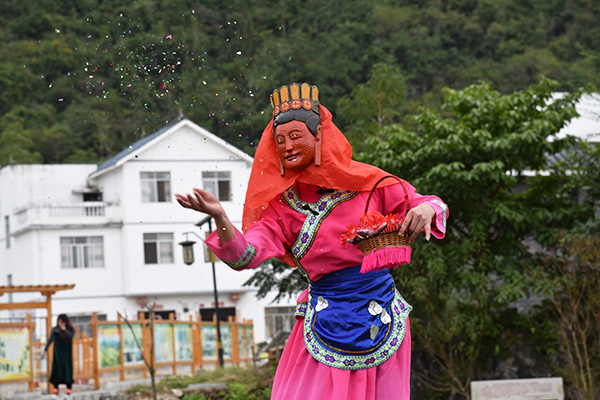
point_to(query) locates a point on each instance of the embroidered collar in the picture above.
(315, 214)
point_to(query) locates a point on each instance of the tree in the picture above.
(473, 155)
(149, 361)
(143, 63)
(374, 104)
(275, 275)
(567, 276)
(17, 145)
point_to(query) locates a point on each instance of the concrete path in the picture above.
(112, 391)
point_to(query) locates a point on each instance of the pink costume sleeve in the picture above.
(438, 228)
(265, 239)
(272, 234)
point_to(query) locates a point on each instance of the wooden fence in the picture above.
(112, 350)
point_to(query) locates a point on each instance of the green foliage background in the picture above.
(80, 80)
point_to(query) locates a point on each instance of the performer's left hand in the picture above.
(418, 220)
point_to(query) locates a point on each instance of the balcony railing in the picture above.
(59, 214)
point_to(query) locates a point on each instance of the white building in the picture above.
(587, 125)
(114, 231)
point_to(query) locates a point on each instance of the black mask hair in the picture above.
(311, 119)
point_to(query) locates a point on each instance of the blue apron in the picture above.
(353, 320)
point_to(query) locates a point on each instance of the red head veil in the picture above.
(337, 170)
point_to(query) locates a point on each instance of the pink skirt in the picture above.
(300, 377)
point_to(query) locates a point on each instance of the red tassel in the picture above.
(386, 258)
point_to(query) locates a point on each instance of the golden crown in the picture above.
(295, 96)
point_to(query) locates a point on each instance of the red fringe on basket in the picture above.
(386, 258)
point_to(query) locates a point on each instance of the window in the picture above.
(7, 229)
(207, 314)
(158, 248)
(158, 314)
(92, 196)
(279, 319)
(82, 321)
(218, 183)
(82, 252)
(156, 186)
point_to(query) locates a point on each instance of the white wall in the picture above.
(32, 184)
(89, 281)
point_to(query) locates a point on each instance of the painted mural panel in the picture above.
(209, 342)
(163, 345)
(183, 342)
(108, 345)
(14, 354)
(131, 352)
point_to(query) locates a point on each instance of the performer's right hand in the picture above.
(202, 201)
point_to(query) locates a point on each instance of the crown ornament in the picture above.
(295, 96)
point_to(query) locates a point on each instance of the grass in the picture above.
(247, 383)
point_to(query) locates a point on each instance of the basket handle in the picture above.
(378, 182)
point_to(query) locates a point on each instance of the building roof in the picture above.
(135, 146)
(147, 141)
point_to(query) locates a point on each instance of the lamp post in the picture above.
(188, 258)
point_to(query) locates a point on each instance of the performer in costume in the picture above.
(351, 339)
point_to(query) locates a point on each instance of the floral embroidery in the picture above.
(301, 309)
(370, 361)
(244, 259)
(330, 358)
(304, 238)
(312, 223)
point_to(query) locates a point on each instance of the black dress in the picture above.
(62, 362)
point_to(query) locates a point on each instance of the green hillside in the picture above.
(79, 80)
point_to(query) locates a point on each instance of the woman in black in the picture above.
(62, 362)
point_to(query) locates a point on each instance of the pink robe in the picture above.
(299, 375)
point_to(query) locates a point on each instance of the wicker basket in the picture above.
(387, 249)
(385, 240)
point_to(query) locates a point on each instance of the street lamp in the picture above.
(188, 249)
(188, 258)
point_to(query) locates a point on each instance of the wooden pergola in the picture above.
(44, 290)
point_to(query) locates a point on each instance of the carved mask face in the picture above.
(295, 145)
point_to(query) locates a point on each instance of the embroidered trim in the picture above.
(311, 225)
(444, 210)
(301, 309)
(244, 259)
(343, 359)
